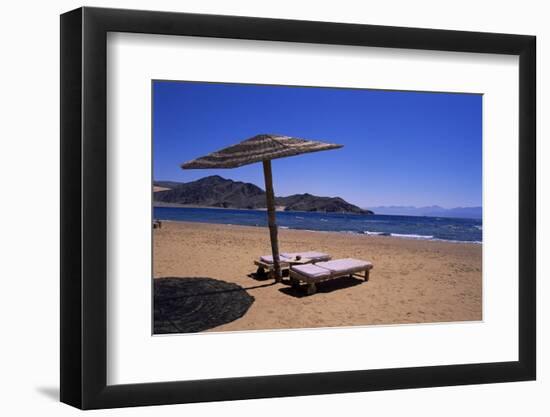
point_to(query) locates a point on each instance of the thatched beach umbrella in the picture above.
(261, 148)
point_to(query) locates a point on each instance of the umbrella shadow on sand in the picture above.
(322, 287)
(189, 305)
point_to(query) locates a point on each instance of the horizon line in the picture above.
(403, 205)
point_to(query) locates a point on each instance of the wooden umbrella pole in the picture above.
(270, 199)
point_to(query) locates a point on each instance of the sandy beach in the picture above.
(413, 281)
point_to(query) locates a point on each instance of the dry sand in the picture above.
(413, 281)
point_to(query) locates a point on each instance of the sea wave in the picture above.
(367, 232)
(476, 242)
(411, 236)
(401, 235)
(419, 237)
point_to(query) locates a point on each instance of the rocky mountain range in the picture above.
(216, 191)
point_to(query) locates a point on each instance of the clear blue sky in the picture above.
(400, 148)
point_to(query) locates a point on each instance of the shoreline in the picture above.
(339, 233)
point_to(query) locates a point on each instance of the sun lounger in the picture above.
(311, 255)
(268, 259)
(311, 274)
(286, 259)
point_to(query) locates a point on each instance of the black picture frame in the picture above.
(84, 207)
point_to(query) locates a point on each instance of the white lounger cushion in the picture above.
(286, 256)
(314, 256)
(311, 271)
(345, 265)
(268, 259)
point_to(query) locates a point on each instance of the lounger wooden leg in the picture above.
(367, 275)
(294, 282)
(311, 289)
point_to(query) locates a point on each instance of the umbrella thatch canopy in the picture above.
(261, 148)
(256, 149)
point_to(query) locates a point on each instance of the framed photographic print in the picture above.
(258, 208)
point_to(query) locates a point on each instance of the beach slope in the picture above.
(413, 281)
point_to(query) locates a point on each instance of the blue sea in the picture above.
(406, 227)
